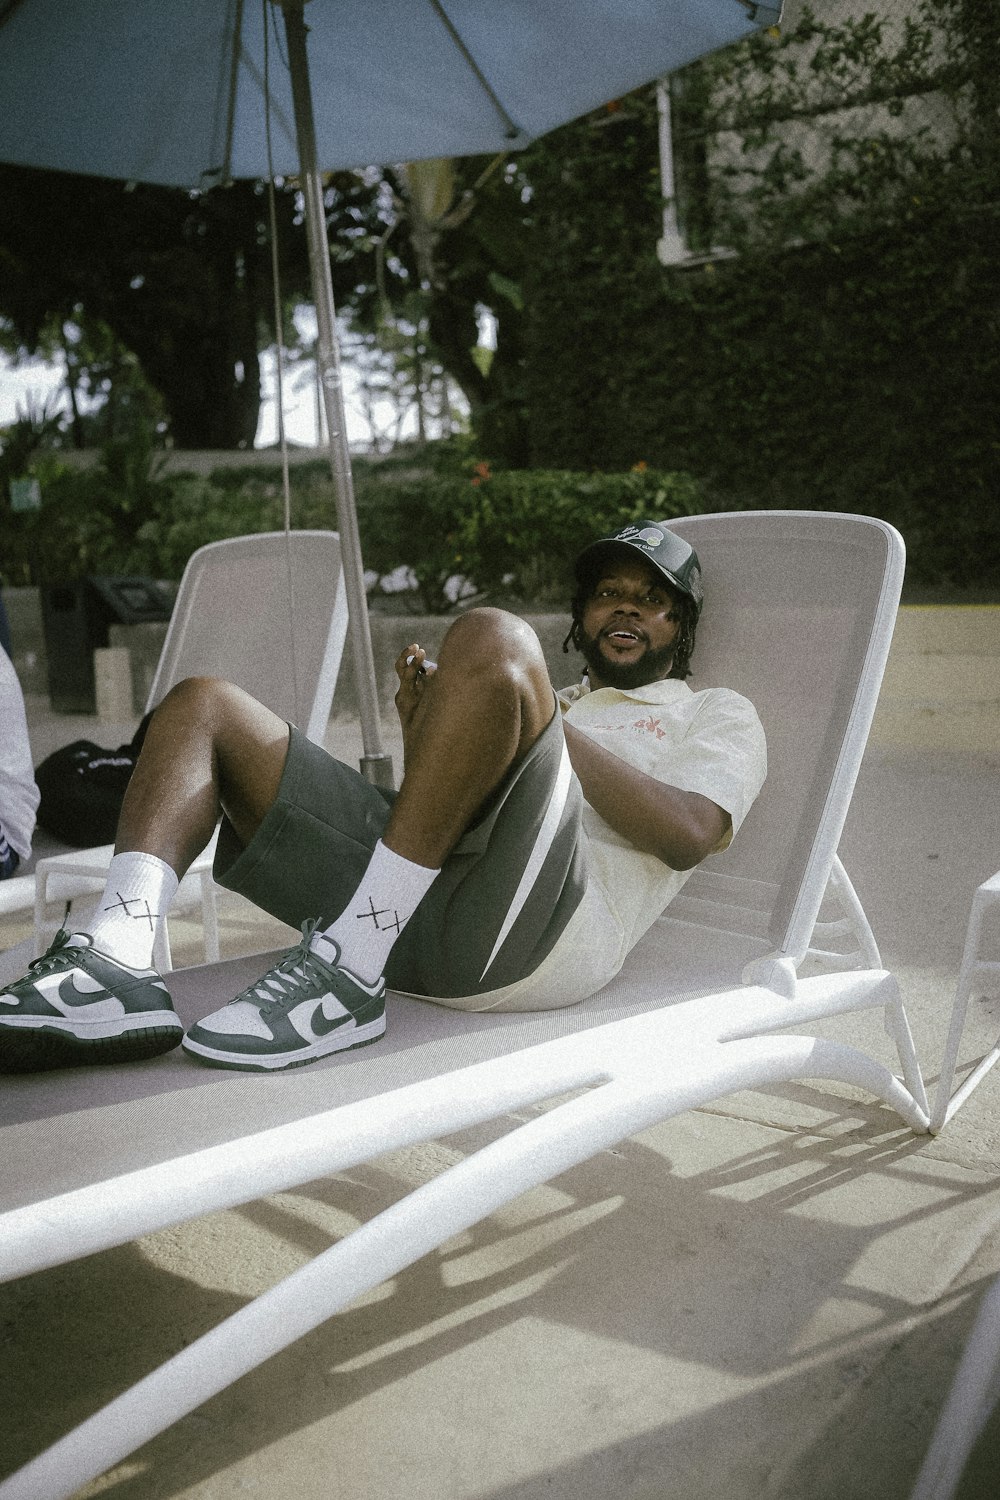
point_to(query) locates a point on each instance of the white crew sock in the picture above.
(378, 911)
(138, 892)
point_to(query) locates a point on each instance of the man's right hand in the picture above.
(414, 673)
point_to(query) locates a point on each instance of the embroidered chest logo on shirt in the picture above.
(650, 726)
(638, 726)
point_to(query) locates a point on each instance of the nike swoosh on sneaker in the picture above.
(65, 998)
(66, 993)
(322, 1023)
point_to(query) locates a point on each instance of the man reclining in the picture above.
(534, 838)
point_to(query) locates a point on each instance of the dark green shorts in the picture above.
(503, 897)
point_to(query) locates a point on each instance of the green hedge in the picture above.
(511, 534)
(433, 514)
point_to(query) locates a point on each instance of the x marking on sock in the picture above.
(137, 916)
(397, 923)
(363, 916)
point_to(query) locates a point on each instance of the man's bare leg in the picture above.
(464, 725)
(209, 747)
(93, 998)
(468, 723)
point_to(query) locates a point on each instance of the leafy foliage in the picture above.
(90, 520)
(432, 518)
(509, 535)
(835, 345)
(180, 282)
(844, 352)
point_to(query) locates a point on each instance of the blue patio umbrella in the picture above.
(175, 92)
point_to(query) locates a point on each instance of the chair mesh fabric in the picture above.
(248, 610)
(792, 603)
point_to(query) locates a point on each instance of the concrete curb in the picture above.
(941, 688)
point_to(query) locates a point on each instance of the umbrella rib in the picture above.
(277, 113)
(513, 131)
(234, 67)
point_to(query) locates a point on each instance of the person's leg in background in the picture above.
(18, 790)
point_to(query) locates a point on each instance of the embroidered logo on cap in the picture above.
(649, 535)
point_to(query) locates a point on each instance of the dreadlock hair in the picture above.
(686, 613)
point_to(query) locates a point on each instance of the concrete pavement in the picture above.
(765, 1298)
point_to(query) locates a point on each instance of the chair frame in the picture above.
(972, 977)
(634, 1070)
(81, 872)
(973, 1394)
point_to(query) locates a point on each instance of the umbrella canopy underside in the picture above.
(172, 91)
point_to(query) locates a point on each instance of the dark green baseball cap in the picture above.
(669, 554)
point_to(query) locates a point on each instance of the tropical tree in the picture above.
(179, 282)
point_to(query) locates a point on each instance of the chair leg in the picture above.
(41, 885)
(897, 1025)
(162, 960)
(840, 882)
(947, 1104)
(853, 924)
(970, 1401)
(973, 967)
(209, 917)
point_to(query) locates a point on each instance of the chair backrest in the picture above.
(267, 612)
(799, 612)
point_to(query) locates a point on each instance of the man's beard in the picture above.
(652, 665)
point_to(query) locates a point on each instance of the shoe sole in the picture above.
(215, 1057)
(39, 1049)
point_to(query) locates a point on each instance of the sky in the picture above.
(36, 380)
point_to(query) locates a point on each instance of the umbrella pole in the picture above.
(376, 765)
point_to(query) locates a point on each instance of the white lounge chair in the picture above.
(978, 975)
(268, 612)
(975, 1389)
(973, 1395)
(799, 615)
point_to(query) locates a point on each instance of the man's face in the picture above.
(630, 625)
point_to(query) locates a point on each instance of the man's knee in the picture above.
(496, 658)
(200, 699)
(492, 640)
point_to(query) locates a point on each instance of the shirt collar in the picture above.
(666, 690)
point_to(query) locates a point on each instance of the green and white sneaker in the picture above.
(76, 1006)
(302, 1009)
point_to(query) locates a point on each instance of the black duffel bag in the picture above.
(82, 787)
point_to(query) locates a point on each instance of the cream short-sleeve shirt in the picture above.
(710, 742)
